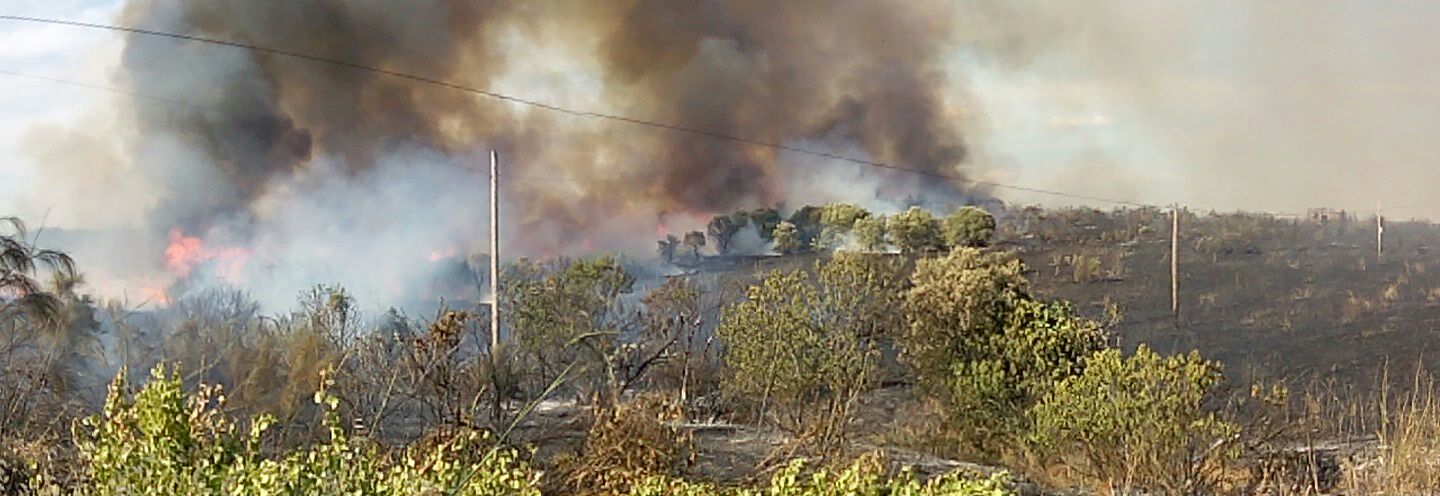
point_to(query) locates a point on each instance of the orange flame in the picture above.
(187, 252)
(445, 254)
(156, 295)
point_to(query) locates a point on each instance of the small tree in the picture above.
(808, 349)
(807, 223)
(572, 315)
(1138, 423)
(952, 301)
(667, 248)
(694, 241)
(870, 233)
(671, 327)
(765, 219)
(968, 226)
(786, 238)
(722, 229)
(22, 297)
(987, 351)
(837, 221)
(914, 230)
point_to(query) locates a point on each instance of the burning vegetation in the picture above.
(937, 340)
(300, 209)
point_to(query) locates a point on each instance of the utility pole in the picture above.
(1175, 264)
(494, 252)
(1379, 233)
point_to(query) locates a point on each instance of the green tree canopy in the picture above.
(968, 226)
(722, 229)
(837, 221)
(914, 230)
(786, 238)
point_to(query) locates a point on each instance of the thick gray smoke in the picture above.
(1276, 105)
(285, 172)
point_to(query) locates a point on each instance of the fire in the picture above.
(445, 254)
(187, 252)
(155, 295)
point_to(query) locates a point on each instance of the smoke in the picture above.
(1277, 105)
(277, 173)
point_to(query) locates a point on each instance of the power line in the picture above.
(564, 110)
(206, 108)
(113, 90)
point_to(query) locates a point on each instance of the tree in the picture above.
(807, 224)
(23, 300)
(987, 351)
(667, 248)
(968, 226)
(671, 323)
(786, 238)
(765, 219)
(870, 233)
(42, 330)
(572, 314)
(1138, 423)
(722, 229)
(807, 347)
(694, 240)
(914, 230)
(953, 302)
(837, 221)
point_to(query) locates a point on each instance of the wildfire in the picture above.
(445, 254)
(187, 252)
(156, 295)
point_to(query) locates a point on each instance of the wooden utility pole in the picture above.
(1379, 233)
(1175, 264)
(494, 252)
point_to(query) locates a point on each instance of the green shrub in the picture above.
(914, 230)
(837, 221)
(987, 351)
(953, 301)
(863, 478)
(968, 226)
(787, 238)
(570, 315)
(808, 349)
(1138, 423)
(162, 441)
(870, 233)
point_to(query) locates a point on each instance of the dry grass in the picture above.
(1407, 458)
(628, 443)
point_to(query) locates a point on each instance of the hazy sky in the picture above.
(1277, 105)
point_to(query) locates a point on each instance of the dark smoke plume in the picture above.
(848, 73)
(278, 151)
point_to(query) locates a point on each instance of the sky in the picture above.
(28, 105)
(1227, 104)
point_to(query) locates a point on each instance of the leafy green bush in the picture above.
(870, 233)
(968, 226)
(914, 230)
(952, 301)
(837, 221)
(863, 478)
(986, 350)
(1138, 423)
(569, 315)
(787, 238)
(162, 441)
(806, 348)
